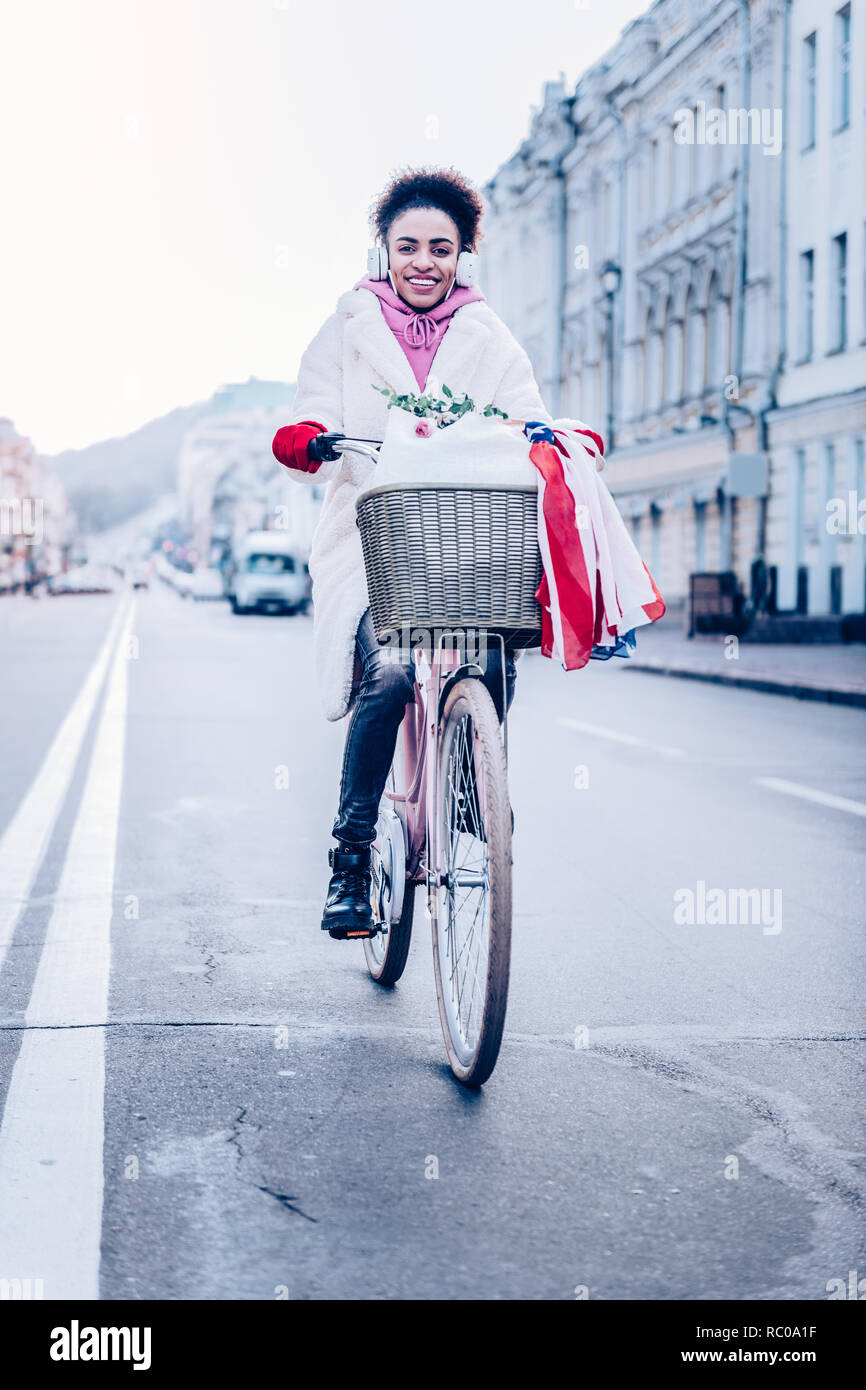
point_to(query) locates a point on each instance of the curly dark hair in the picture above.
(445, 189)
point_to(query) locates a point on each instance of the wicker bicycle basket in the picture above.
(452, 557)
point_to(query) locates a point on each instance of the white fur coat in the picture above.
(353, 351)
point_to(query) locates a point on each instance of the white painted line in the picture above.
(51, 1140)
(25, 839)
(838, 803)
(614, 735)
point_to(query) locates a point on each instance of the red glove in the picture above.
(290, 445)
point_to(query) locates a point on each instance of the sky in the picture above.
(186, 184)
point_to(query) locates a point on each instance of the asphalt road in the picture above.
(206, 1097)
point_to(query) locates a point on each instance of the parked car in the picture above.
(176, 578)
(90, 578)
(205, 583)
(267, 573)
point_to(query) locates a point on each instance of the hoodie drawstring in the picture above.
(421, 330)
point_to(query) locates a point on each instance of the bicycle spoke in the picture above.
(469, 936)
(470, 787)
(476, 981)
(467, 948)
(466, 941)
(472, 927)
(482, 938)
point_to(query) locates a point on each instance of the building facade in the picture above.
(818, 425)
(651, 243)
(37, 526)
(228, 482)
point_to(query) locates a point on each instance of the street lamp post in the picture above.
(611, 276)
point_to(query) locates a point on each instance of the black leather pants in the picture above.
(386, 687)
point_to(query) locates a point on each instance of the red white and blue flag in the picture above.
(595, 589)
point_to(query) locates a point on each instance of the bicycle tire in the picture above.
(397, 942)
(470, 699)
(387, 968)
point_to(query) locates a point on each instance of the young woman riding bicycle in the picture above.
(389, 332)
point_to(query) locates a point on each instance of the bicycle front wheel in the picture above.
(471, 890)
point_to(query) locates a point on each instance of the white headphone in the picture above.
(466, 275)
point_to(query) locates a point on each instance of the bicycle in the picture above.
(445, 824)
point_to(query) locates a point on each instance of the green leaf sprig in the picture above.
(445, 409)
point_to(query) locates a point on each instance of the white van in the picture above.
(267, 574)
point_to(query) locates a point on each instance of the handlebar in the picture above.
(324, 448)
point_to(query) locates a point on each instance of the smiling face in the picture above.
(423, 246)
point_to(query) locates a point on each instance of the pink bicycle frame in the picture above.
(418, 740)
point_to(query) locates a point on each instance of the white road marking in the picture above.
(25, 839)
(838, 803)
(51, 1140)
(599, 731)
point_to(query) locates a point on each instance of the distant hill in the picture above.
(117, 478)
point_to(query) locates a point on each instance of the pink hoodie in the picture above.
(419, 332)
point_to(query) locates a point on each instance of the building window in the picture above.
(654, 362)
(828, 545)
(716, 347)
(656, 542)
(807, 306)
(718, 149)
(839, 294)
(692, 171)
(643, 189)
(674, 173)
(638, 376)
(798, 533)
(693, 346)
(842, 68)
(809, 92)
(673, 364)
(799, 518)
(700, 537)
(654, 200)
(643, 364)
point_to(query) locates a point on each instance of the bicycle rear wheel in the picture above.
(471, 903)
(391, 894)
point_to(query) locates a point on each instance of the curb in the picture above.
(798, 689)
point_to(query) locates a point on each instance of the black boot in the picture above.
(348, 913)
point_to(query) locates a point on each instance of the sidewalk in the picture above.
(812, 671)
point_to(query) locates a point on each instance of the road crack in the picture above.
(287, 1202)
(239, 1125)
